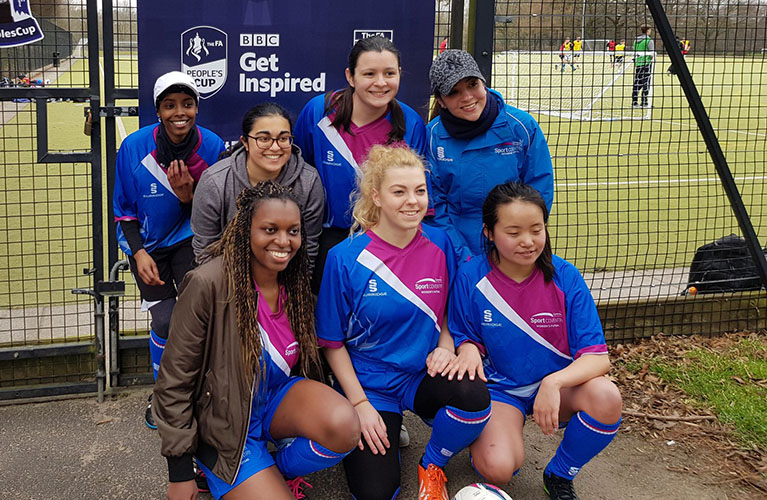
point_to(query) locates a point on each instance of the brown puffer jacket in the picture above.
(202, 400)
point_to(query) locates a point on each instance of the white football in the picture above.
(481, 491)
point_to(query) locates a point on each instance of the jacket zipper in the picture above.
(247, 425)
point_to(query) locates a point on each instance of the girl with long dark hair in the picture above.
(524, 320)
(336, 131)
(241, 333)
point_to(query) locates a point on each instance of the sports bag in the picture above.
(723, 266)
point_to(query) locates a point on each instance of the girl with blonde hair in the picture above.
(380, 319)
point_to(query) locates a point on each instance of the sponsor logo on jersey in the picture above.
(360, 34)
(441, 154)
(330, 156)
(259, 39)
(204, 52)
(17, 24)
(429, 285)
(547, 320)
(373, 289)
(153, 191)
(291, 350)
(487, 318)
(509, 148)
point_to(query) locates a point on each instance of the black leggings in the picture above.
(377, 477)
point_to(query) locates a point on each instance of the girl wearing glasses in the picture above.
(265, 152)
(336, 131)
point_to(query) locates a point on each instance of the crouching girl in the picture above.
(242, 326)
(525, 320)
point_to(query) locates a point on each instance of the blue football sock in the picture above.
(452, 431)
(584, 438)
(303, 456)
(156, 348)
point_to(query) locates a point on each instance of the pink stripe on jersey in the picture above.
(421, 266)
(359, 140)
(277, 327)
(194, 162)
(125, 217)
(593, 349)
(332, 344)
(541, 305)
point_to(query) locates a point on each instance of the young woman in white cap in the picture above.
(476, 141)
(156, 172)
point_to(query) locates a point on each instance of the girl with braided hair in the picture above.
(241, 333)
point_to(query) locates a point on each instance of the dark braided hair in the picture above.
(508, 192)
(343, 101)
(234, 247)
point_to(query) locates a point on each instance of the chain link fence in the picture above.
(637, 192)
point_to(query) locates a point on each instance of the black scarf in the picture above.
(458, 128)
(167, 150)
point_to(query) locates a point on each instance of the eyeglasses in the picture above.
(265, 141)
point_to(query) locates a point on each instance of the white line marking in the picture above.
(657, 182)
(695, 126)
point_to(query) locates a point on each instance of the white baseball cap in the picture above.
(171, 79)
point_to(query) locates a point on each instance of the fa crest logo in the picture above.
(153, 188)
(330, 156)
(372, 286)
(17, 24)
(204, 52)
(487, 316)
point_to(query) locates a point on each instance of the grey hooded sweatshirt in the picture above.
(216, 195)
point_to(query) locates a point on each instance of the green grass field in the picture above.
(636, 192)
(636, 188)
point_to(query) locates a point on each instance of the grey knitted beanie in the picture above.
(449, 68)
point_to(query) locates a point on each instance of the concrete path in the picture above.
(85, 450)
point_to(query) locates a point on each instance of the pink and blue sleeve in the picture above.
(124, 199)
(584, 328)
(460, 314)
(333, 309)
(303, 131)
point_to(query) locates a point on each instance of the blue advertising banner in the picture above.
(17, 24)
(244, 52)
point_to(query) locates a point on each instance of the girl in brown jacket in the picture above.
(242, 326)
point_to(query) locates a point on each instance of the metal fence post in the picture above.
(709, 136)
(482, 30)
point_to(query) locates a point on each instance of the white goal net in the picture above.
(597, 44)
(591, 85)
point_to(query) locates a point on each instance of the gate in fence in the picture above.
(51, 241)
(638, 189)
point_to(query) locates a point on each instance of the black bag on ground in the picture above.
(724, 266)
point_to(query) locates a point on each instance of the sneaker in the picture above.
(200, 479)
(296, 487)
(148, 418)
(404, 437)
(558, 488)
(432, 483)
